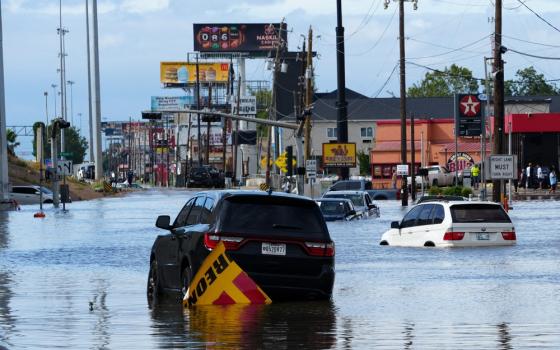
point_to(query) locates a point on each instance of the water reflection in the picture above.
(98, 306)
(504, 338)
(279, 326)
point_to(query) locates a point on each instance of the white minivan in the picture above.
(452, 224)
(31, 194)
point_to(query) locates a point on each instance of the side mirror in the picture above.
(163, 222)
(395, 224)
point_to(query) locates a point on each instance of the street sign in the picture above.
(311, 168)
(247, 105)
(64, 167)
(402, 169)
(468, 115)
(502, 167)
(66, 154)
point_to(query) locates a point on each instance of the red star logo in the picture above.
(469, 106)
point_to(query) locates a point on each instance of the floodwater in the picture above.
(53, 269)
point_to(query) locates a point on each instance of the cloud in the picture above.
(111, 40)
(52, 8)
(144, 6)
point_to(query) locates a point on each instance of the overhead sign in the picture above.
(247, 105)
(171, 103)
(402, 169)
(237, 37)
(502, 167)
(185, 72)
(64, 167)
(339, 155)
(468, 115)
(311, 168)
(220, 281)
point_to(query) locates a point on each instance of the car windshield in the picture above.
(273, 216)
(332, 208)
(463, 213)
(357, 199)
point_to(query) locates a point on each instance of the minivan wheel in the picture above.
(186, 277)
(383, 243)
(153, 289)
(429, 244)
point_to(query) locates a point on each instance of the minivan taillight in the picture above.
(509, 236)
(453, 236)
(211, 240)
(320, 249)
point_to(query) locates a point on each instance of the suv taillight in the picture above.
(211, 240)
(453, 236)
(320, 249)
(509, 236)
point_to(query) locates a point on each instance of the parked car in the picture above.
(452, 224)
(338, 209)
(31, 194)
(384, 194)
(205, 176)
(280, 240)
(361, 200)
(351, 185)
(437, 176)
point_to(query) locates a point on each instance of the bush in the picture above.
(452, 191)
(434, 191)
(466, 191)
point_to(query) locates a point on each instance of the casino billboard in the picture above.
(255, 38)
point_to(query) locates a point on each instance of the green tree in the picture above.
(455, 79)
(73, 142)
(529, 83)
(363, 161)
(11, 136)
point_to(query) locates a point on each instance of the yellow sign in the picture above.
(282, 162)
(220, 281)
(185, 72)
(339, 155)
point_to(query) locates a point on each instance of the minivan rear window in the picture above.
(273, 217)
(479, 213)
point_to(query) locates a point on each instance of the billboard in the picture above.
(468, 115)
(171, 103)
(237, 37)
(185, 72)
(339, 155)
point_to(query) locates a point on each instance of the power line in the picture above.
(539, 16)
(534, 56)
(448, 52)
(530, 42)
(445, 73)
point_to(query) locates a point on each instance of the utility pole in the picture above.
(97, 123)
(4, 184)
(199, 143)
(412, 160)
(54, 99)
(342, 112)
(90, 105)
(62, 32)
(308, 93)
(498, 97)
(70, 82)
(404, 187)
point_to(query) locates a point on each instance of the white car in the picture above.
(31, 194)
(452, 224)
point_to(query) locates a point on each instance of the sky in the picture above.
(135, 35)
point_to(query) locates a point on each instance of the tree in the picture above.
(75, 144)
(454, 79)
(11, 136)
(529, 83)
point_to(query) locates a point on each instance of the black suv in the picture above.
(280, 240)
(205, 176)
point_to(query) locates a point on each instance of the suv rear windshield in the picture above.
(478, 213)
(272, 216)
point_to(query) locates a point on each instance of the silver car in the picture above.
(31, 194)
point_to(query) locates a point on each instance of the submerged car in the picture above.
(280, 240)
(31, 194)
(361, 200)
(338, 209)
(452, 224)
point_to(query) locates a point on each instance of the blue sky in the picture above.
(135, 35)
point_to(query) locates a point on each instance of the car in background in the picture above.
(361, 200)
(31, 194)
(280, 240)
(351, 185)
(334, 209)
(439, 198)
(452, 224)
(205, 176)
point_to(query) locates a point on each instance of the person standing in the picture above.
(553, 180)
(540, 176)
(475, 172)
(528, 176)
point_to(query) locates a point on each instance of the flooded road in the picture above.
(78, 280)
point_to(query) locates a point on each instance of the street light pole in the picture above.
(54, 98)
(70, 82)
(47, 112)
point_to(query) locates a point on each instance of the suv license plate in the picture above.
(481, 236)
(274, 248)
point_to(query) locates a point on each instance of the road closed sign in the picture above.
(502, 167)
